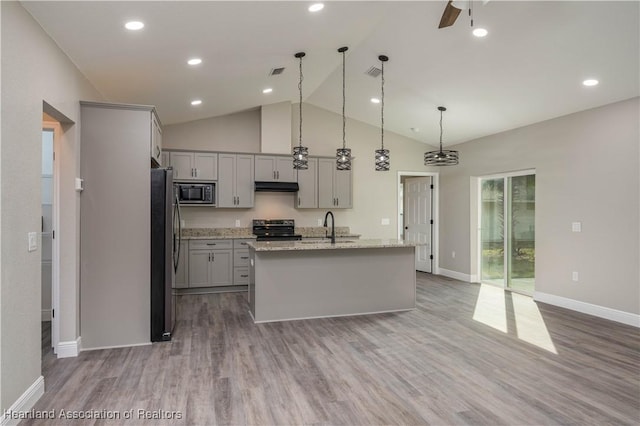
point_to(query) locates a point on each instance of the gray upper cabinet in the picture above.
(334, 186)
(164, 159)
(156, 138)
(194, 166)
(274, 168)
(235, 180)
(307, 197)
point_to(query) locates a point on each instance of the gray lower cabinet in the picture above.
(210, 263)
(240, 262)
(182, 273)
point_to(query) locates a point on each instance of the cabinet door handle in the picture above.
(244, 257)
(211, 244)
(337, 201)
(209, 257)
(277, 174)
(196, 172)
(298, 201)
(244, 276)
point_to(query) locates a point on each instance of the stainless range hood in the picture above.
(277, 187)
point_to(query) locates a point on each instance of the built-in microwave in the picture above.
(196, 193)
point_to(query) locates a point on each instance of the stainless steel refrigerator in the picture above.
(165, 253)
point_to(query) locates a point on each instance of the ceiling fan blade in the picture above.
(449, 15)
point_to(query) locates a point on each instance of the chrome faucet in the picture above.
(333, 228)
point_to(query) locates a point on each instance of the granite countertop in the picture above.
(216, 233)
(326, 245)
(246, 233)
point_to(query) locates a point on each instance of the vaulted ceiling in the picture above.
(529, 68)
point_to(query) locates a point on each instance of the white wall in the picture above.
(33, 70)
(374, 193)
(587, 170)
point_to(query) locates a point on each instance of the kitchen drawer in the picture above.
(240, 276)
(242, 243)
(210, 244)
(241, 258)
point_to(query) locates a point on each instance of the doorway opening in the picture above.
(418, 216)
(506, 232)
(51, 131)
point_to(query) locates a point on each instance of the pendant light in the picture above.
(382, 155)
(443, 157)
(343, 155)
(300, 153)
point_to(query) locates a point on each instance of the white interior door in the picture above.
(417, 219)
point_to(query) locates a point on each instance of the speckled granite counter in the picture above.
(231, 233)
(326, 245)
(216, 233)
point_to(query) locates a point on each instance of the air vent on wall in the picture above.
(276, 71)
(373, 71)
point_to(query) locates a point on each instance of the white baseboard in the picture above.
(69, 349)
(23, 404)
(588, 308)
(455, 275)
(45, 315)
(116, 346)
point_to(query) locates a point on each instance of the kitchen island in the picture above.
(312, 279)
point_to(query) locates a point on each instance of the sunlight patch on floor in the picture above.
(530, 325)
(490, 307)
(512, 313)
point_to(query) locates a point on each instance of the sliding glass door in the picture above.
(507, 231)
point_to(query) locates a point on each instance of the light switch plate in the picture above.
(79, 184)
(237, 223)
(574, 276)
(319, 222)
(385, 221)
(576, 226)
(33, 241)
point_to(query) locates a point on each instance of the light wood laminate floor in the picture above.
(462, 357)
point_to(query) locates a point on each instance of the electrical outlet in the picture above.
(453, 254)
(319, 222)
(32, 238)
(182, 224)
(574, 276)
(237, 223)
(384, 221)
(576, 226)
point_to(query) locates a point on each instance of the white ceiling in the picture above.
(528, 69)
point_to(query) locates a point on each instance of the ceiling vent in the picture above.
(373, 71)
(276, 71)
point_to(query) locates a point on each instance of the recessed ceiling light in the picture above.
(134, 25)
(590, 82)
(194, 61)
(375, 100)
(196, 102)
(316, 7)
(267, 90)
(480, 32)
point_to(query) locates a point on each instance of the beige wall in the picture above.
(587, 170)
(374, 193)
(238, 132)
(33, 70)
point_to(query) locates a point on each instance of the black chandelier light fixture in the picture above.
(343, 155)
(300, 153)
(444, 157)
(382, 154)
